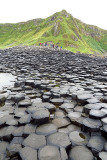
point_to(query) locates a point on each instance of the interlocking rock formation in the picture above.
(57, 109)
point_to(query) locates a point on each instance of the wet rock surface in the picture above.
(57, 109)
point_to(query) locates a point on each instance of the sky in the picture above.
(89, 11)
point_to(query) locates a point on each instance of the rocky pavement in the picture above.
(57, 109)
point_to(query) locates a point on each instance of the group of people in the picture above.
(51, 45)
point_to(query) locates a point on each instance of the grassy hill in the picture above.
(62, 28)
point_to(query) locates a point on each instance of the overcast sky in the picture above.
(89, 11)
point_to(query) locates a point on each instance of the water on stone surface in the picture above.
(6, 79)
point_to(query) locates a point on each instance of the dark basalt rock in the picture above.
(82, 99)
(2, 98)
(45, 98)
(12, 122)
(2, 156)
(18, 131)
(29, 129)
(60, 122)
(49, 152)
(19, 114)
(104, 120)
(8, 133)
(89, 107)
(65, 106)
(80, 152)
(78, 138)
(4, 117)
(3, 147)
(41, 116)
(104, 110)
(46, 129)
(91, 125)
(75, 118)
(64, 130)
(13, 150)
(59, 140)
(63, 153)
(18, 97)
(56, 101)
(78, 109)
(2, 132)
(17, 140)
(104, 131)
(31, 109)
(93, 101)
(35, 141)
(29, 83)
(96, 114)
(96, 143)
(24, 103)
(25, 119)
(73, 127)
(105, 146)
(58, 94)
(49, 106)
(28, 153)
(102, 156)
(59, 114)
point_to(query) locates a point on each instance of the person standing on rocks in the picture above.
(61, 48)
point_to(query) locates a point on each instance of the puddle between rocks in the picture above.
(6, 79)
(81, 135)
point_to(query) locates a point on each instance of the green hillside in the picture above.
(62, 28)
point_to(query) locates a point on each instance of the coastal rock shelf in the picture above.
(57, 108)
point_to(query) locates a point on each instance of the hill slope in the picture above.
(62, 28)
